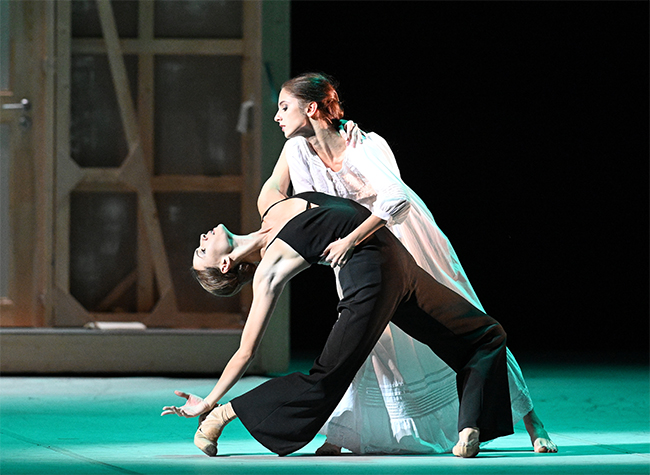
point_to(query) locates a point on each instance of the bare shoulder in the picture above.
(280, 261)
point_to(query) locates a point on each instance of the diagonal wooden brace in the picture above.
(134, 170)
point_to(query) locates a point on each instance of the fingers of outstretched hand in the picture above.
(182, 394)
(178, 410)
(169, 410)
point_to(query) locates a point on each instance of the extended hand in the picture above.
(338, 253)
(195, 406)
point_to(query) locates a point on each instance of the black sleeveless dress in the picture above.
(381, 282)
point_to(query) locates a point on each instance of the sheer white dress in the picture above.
(403, 399)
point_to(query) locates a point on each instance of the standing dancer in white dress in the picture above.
(403, 399)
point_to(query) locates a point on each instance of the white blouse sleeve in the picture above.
(376, 162)
(297, 160)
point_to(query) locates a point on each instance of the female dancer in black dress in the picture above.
(381, 282)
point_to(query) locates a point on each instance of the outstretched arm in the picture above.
(279, 265)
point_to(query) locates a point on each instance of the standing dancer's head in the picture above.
(308, 96)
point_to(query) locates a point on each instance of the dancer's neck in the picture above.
(328, 144)
(246, 248)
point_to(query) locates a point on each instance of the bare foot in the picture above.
(468, 444)
(328, 449)
(542, 442)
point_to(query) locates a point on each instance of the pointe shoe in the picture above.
(468, 444)
(328, 449)
(211, 428)
(543, 445)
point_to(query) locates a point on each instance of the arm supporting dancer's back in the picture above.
(276, 188)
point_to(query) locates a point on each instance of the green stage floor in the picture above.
(597, 414)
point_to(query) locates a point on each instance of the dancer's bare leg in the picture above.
(542, 442)
(328, 449)
(211, 427)
(468, 444)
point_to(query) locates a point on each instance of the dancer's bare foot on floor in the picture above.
(468, 443)
(328, 449)
(542, 442)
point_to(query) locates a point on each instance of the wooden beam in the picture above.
(201, 47)
(135, 173)
(47, 168)
(145, 289)
(200, 183)
(106, 179)
(62, 203)
(134, 170)
(118, 71)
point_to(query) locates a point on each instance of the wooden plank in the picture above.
(24, 191)
(43, 351)
(62, 203)
(250, 139)
(200, 47)
(145, 286)
(146, 13)
(275, 31)
(102, 179)
(251, 87)
(134, 170)
(118, 72)
(69, 175)
(194, 183)
(146, 83)
(47, 176)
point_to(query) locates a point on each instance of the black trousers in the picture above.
(380, 283)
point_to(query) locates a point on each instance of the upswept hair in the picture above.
(224, 284)
(318, 88)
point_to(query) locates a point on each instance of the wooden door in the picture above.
(26, 144)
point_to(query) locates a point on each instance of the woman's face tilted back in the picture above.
(291, 115)
(213, 247)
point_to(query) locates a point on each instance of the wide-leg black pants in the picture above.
(382, 282)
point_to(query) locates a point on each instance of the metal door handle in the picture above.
(24, 104)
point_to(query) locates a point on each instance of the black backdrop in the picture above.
(524, 127)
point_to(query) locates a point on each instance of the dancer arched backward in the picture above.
(380, 281)
(403, 398)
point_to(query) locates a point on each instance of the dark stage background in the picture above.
(524, 127)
